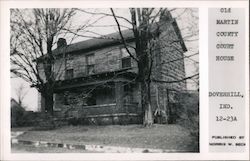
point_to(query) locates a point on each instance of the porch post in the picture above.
(119, 90)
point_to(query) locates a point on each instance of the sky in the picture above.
(186, 19)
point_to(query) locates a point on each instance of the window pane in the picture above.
(126, 62)
(90, 59)
(69, 62)
(90, 69)
(69, 74)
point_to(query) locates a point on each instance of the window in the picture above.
(91, 101)
(66, 98)
(69, 62)
(127, 88)
(69, 74)
(127, 98)
(126, 62)
(90, 69)
(90, 59)
(126, 59)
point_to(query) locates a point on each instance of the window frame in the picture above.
(126, 62)
(69, 73)
(90, 61)
(125, 57)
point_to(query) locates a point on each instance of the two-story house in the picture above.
(97, 77)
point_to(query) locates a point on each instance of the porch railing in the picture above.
(103, 109)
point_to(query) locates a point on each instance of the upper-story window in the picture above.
(69, 70)
(90, 59)
(69, 73)
(126, 59)
(69, 62)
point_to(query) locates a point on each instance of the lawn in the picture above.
(171, 137)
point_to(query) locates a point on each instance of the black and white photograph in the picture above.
(104, 80)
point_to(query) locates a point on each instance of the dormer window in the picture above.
(126, 59)
(90, 60)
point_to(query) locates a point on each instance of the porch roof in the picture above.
(123, 75)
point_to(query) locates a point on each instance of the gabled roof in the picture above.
(111, 39)
(96, 43)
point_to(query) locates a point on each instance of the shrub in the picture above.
(44, 121)
(188, 113)
(74, 121)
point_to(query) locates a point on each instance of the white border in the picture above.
(202, 5)
(203, 66)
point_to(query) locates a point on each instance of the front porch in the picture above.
(115, 101)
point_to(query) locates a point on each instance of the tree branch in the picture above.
(123, 40)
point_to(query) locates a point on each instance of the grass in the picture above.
(171, 137)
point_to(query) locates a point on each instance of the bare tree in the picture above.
(33, 36)
(146, 32)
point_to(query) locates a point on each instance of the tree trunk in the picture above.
(49, 103)
(148, 116)
(144, 78)
(146, 104)
(48, 99)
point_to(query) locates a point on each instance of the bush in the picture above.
(188, 113)
(44, 121)
(74, 121)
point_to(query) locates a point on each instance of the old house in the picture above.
(97, 78)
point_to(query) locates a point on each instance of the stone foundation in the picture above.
(114, 119)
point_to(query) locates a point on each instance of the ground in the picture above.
(171, 137)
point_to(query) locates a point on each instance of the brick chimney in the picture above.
(61, 43)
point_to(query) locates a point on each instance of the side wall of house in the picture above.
(169, 66)
(172, 59)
